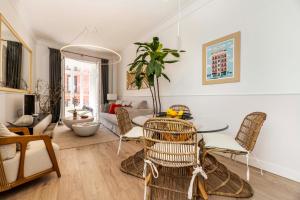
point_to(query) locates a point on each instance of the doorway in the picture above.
(81, 87)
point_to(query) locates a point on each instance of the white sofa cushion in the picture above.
(110, 117)
(135, 132)
(7, 151)
(36, 160)
(222, 141)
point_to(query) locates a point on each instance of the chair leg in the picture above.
(248, 170)
(202, 190)
(147, 181)
(120, 143)
(260, 165)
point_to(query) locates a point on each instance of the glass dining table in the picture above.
(202, 124)
(134, 165)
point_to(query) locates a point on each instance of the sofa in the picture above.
(109, 120)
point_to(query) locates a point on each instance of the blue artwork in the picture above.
(220, 60)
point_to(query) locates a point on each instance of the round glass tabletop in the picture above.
(202, 124)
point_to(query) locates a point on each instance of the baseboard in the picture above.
(269, 167)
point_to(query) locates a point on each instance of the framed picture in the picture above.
(131, 82)
(221, 60)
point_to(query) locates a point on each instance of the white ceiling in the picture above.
(118, 22)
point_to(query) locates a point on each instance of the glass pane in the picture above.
(81, 87)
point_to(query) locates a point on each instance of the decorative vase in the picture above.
(75, 114)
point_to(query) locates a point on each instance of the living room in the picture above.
(99, 93)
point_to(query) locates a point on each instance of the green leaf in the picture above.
(158, 69)
(150, 80)
(139, 69)
(150, 68)
(175, 54)
(138, 83)
(171, 61)
(166, 77)
(140, 43)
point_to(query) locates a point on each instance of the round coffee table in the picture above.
(86, 128)
(69, 121)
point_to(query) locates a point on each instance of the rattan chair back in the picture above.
(250, 129)
(170, 142)
(179, 107)
(124, 121)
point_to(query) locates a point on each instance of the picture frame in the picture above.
(131, 82)
(221, 60)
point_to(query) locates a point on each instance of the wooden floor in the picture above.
(92, 172)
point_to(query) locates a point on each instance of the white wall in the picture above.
(11, 103)
(270, 43)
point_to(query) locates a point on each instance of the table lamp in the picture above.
(111, 97)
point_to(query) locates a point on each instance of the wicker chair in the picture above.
(171, 144)
(179, 107)
(40, 160)
(127, 130)
(242, 144)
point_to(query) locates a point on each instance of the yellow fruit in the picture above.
(173, 113)
(180, 113)
(169, 111)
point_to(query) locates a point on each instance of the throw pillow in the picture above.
(106, 107)
(126, 103)
(113, 107)
(119, 102)
(142, 105)
(7, 151)
(25, 120)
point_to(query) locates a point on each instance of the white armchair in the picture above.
(29, 163)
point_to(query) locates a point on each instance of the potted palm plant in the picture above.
(149, 66)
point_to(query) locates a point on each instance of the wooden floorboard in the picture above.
(92, 173)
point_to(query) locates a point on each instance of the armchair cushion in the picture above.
(36, 160)
(7, 151)
(222, 141)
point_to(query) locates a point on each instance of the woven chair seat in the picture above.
(172, 154)
(222, 141)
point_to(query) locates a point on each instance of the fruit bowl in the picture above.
(185, 116)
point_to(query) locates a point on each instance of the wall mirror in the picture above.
(15, 60)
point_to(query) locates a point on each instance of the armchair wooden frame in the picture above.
(23, 141)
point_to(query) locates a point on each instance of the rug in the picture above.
(66, 138)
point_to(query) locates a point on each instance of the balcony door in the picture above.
(81, 87)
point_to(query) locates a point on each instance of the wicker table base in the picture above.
(221, 181)
(134, 165)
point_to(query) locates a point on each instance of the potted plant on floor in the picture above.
(149, 66)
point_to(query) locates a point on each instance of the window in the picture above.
(76, 84)
(69, 83)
